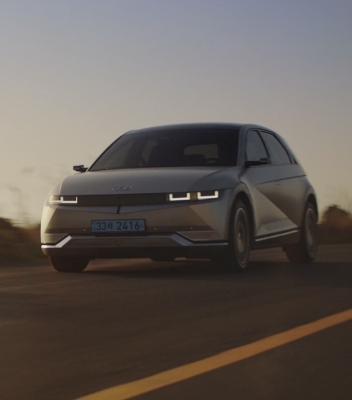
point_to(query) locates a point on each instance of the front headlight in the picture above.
(53, 199)
(194, 196)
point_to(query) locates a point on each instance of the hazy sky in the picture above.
(75, 74)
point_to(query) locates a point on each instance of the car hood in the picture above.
(150, 180)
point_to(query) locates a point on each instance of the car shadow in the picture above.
(315, 274)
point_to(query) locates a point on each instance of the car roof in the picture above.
(202, 125)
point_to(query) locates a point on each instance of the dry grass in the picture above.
(19, 244)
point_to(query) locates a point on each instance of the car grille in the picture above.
(122, 200)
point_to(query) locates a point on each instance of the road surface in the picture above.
(65, 336)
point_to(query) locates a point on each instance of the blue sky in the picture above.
(76, 74)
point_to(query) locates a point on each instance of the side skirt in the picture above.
(277, 240)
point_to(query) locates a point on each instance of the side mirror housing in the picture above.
(256, 163)
(79, 168)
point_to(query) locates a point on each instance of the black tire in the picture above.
(68, 264)
(237, 257)
(306, 250)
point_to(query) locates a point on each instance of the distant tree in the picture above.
(336, 226)
(336, 217)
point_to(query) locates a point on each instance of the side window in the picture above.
(278, 154)
(255, 149)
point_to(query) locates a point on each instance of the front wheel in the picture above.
(236, 258)
(68, 264)
(306, 250)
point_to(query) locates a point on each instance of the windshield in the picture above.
(199, 147)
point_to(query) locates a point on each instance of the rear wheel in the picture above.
(306, 250)
(236, 258)
(68, 264)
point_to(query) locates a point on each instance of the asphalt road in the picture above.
(64, 336)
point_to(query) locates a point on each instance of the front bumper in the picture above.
(171, 245)
(183, 230)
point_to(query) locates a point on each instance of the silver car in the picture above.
(197, 191)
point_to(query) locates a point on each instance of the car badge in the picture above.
(122, 188)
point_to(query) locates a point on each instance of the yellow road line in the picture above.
(141, 386)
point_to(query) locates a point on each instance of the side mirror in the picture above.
(79, 168)
(256, 163)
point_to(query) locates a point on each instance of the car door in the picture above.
(262, 179)
(292, 184)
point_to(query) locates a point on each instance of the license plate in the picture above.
(121, 225)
